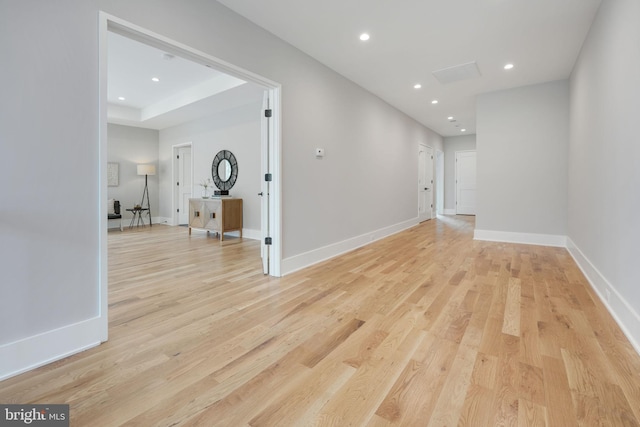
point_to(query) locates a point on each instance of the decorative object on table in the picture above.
(112, 174)
(205, 184)
(224, 171)
(146, 170)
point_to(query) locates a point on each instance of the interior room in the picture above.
(191, 106)
(447, 190)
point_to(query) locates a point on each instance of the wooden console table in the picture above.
(216, 214)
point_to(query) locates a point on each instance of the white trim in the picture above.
(449, 211)
(623, 313)
(160, 220)
(38, 350)
(307, 259)
(525, 238)
(247, 233)
(275, 266)
(103, 261)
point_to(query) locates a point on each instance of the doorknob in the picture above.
(426, 188)
(260, 193)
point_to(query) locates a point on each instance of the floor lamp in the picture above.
(146, 170)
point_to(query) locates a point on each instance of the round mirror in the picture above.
(224, 171)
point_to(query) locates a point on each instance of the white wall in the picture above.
(522, 138)
(604, 160)
(236, 130)
(451, 145)
(49, 128)
(129, 146)
(49, 218)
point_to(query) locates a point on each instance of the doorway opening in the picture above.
(270, 144)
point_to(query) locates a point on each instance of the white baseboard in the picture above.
(307, 259)
(449, 211)
(38, 350)
(623, 313)
(525, 238)
(247, 233)
(162, 220)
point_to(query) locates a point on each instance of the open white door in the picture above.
(466, 182)
(425, 182)
(265, 187)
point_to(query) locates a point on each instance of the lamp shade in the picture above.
(146, 169)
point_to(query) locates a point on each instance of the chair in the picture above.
(116, 212)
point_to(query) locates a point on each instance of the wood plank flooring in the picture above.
(424, 328)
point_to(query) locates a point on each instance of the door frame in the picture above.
(175, 217)
(110, 23)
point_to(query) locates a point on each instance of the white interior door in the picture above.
(439, 182)
(184, 184)
(466, 182)
(265, 185)
(425, 182)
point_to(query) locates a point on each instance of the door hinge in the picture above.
(178, 183)
(267, 113)
(178, 156)
(268, 177)
(178, 210)
(268, 241)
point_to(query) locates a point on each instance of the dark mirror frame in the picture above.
(226, 184)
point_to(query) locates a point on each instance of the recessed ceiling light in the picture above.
(435, 101)
(417, 86)
(450, 118)
(508, 66)
(463, 130)
(155, 79)
(121, 98)
(364, 37)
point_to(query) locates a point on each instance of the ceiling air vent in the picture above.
(457, 72)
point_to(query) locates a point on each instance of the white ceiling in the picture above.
(412, 38)
(185, 91)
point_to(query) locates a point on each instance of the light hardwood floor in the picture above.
(425, 328)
